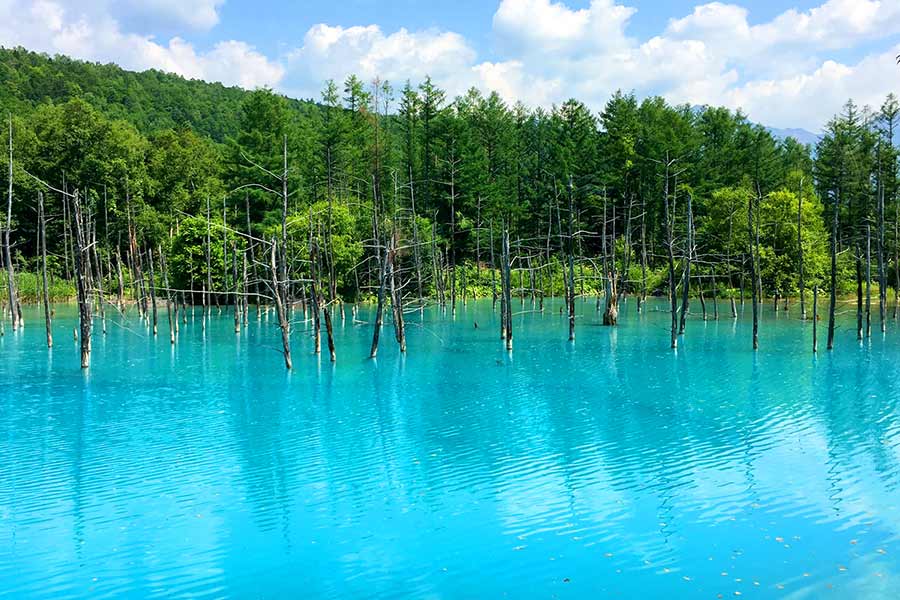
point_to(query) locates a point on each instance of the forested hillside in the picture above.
(151, 100)
(391, 183)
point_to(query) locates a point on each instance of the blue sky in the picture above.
(787, 64)
(242, 18)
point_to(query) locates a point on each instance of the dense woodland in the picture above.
(147, 190)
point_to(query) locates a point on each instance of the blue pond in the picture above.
(611, 467)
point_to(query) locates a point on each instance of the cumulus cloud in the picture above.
(808, 100)
(335, 52)
(543, 26)
(779, 71)
(792, 41)
(53, 27)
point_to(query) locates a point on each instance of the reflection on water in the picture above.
(612, 467)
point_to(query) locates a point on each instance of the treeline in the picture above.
(401, 194)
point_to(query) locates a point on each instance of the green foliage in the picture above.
(30, 288)
(147, 151)
(341, 246)
(187, 256)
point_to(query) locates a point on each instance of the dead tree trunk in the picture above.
(493, 272)
(278, 293)
(251, 248)
(502, 266)
(453, 238)
(314, 300)
(173, 322)
(815, 319)
(643, 297)
(754, 280)
(689, 251)
(42, 224)
(507, 294)
(715, 298)
(702, 297)
(152, 287)
(85, 311)
(417, 252)
(896, 258)
(859, 293)
(65, 227)
(245, 304)
(464, 285)
(800, 251)
(207, 299)
(833, 293)
(326, 314)
(882, 279)
(670, 255)
(397, 300)
(236, 282)
(436, 260)
(101, 296)
(120, 278)
(570, 296)
(611, 312)
(379, 311)
(7, 252)
(868, 281)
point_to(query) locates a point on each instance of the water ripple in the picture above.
(613, 467)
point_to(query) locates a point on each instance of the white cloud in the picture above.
(791, 41)
(335, 52)
(834, 24)
(787, 71)
(780, 71)
(808, 100)
(515, 84)
(50, 26)
(543, 26)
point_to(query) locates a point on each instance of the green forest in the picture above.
(145, 184)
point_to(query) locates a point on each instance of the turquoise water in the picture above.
(608, 468)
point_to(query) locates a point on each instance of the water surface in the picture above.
(611, 467)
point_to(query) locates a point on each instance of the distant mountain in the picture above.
(801, 135)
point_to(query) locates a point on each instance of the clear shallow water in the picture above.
(611, 468)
